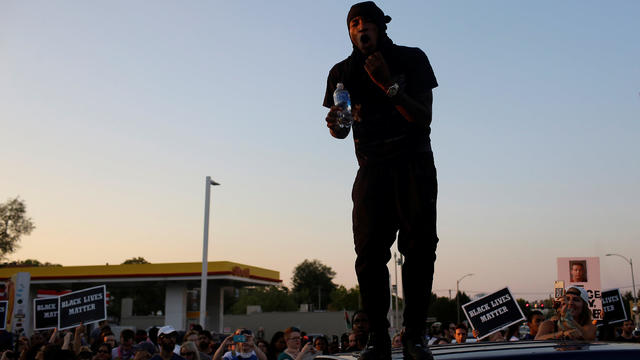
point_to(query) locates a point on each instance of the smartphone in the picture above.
(559, 289)
(239, 338)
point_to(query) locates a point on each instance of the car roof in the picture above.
(522, 350)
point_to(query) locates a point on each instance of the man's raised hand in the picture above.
(378, 70)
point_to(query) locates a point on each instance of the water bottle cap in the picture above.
(340, 86)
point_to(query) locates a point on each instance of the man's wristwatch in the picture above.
(393, 90)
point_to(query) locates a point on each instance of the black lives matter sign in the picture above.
(613, 307)
(4, 305)
(84, 306)
(493, 312)
(45, 313)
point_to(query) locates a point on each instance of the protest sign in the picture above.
(45, 313)
(493, 312)
(83, 306)
(613, 307)
(4, 306)
(583, 272)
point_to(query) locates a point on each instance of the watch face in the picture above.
(393, 90)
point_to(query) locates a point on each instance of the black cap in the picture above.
(371, 11)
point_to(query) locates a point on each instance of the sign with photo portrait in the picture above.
(583, 272)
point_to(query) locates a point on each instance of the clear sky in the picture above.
(112, 114)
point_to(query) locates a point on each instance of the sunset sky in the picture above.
(113, 113)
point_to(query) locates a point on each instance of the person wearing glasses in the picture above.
(189, 351)
(244, 347)
(103, 352)
(573, 321)
(293, 352)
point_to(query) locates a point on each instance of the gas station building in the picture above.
(178, 280)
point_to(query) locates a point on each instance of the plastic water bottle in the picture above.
(342, 99)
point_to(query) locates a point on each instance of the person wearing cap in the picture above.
(573, 321)
(395, 189)
(243, 349)
(167, 336)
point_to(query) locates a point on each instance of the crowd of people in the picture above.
(167, 343)
(572, 320)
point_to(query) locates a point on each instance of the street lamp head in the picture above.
(621, 256)
(211, 181)
(470, 274)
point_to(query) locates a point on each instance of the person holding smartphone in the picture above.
(244, 347)
(573, 320)
(293, 337)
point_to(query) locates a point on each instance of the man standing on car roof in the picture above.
(395, 189)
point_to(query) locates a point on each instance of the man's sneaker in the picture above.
(378, 348)
(414, 348)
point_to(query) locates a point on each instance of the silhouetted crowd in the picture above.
(167, 343)
(101, 343)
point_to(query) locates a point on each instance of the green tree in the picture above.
(523, 305)
(135, 260)
(313, 282)
(445, 309)
(13, 224)
(270, 298)
(27, 263)
(628, 296)
(343, 299)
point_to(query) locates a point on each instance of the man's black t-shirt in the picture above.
(624, 339)
(383, 131)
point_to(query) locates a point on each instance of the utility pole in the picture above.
(205, 252)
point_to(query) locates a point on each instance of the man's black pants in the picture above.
(392, 196)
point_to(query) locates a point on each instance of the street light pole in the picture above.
(458, 295)
(205, 252)
(633, 282)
